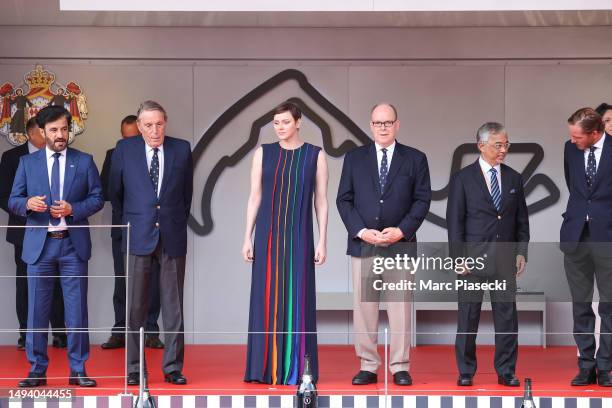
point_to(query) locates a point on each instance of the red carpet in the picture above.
(218, 370)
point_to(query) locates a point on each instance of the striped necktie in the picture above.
(495, 193)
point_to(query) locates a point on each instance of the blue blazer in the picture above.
(596, 202)
(403, 204)
(133, 196)
(82, 190)
(471, 215)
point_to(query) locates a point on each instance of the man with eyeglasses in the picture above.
(383, 198)
(486, 217)
(585, 240)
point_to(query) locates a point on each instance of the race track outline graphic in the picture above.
(251, 143)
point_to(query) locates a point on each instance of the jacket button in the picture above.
(499, 217)
(376, 218)
(381, 201)
(157, 224)
(158, 207)
(497, 236)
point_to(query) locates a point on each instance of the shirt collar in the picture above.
(600, 143)
(390, 149)
(486, 166)
(150, 149)
(50, 152)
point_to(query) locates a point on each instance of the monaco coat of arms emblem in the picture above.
(19, 104)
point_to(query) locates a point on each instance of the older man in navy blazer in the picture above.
(586, 240)
(383, 198)
(151, 185)
(486, 216)
(56, 188)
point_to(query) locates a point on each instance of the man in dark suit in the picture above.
(486, 204)
(117, 338)
(8, 168)
(383, 198)
(55, 188)
(151, 186)
(586, 238)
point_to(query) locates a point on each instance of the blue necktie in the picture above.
(384, 170)
(55, 185)
(591, 168)
(154, 169)
(495, 193)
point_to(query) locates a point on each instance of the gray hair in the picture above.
(384, 104)
(151, 106)
(488, 129)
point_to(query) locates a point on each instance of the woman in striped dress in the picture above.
(285, 177)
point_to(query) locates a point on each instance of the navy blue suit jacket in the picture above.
(596, 202)
(82, 190)
(403, 204)
(133, 196)
(8, 169)
(471, 215)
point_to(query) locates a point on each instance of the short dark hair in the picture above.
(30, 124)
(290, 107)
(51, 114)
(603, 108)
(588, 120)
(128, 120)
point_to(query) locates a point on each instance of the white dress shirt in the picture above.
(599, 145)
(160, 156)
(485, 167)
(62, 171)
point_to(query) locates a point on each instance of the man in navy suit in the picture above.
(383, 198)
(486, 204)
(151, 185)
(586, 237)
(56, 188)
(8, 168)
(129, 128)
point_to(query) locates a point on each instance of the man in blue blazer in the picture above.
(56, 188)
(151, 185)
(8, 167)
(383, 198)
(586, 240)
(486, 216)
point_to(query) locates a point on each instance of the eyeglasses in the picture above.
(386, 124)
(498, 146)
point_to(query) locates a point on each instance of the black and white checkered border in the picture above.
(334, 401)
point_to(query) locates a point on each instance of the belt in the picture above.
(57, 234)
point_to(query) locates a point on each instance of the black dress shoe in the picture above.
(114, 342)
(402, 378)
(60, 342)
(176, 378)
(154, 342)
(364, 378)
(21, 344)
(33, 380)
(604, 378)
(81, 380)
(584, 377)
(509, 380)
(133, 379)
(465, 380)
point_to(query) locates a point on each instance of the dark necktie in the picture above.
(384, 170)
(591, 168)
(55, 185)
(154, 169)
(495, 193)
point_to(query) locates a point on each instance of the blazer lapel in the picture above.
(69, 172)
(44, 173)
(140, 157)
(397, 160)
(581, 171)
(604, 160)
(168, 161)
(372, 163)
(505, 186)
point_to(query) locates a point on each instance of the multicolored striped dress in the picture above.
(283, 304)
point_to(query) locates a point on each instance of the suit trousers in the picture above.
(21, 299)
(590, 261)
(58, 258)
(151, 327)
(365, 327)
(171, 281)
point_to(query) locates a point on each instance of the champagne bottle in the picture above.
(307, 392)
(528, 397)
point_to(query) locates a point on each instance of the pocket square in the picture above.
(513, 191)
